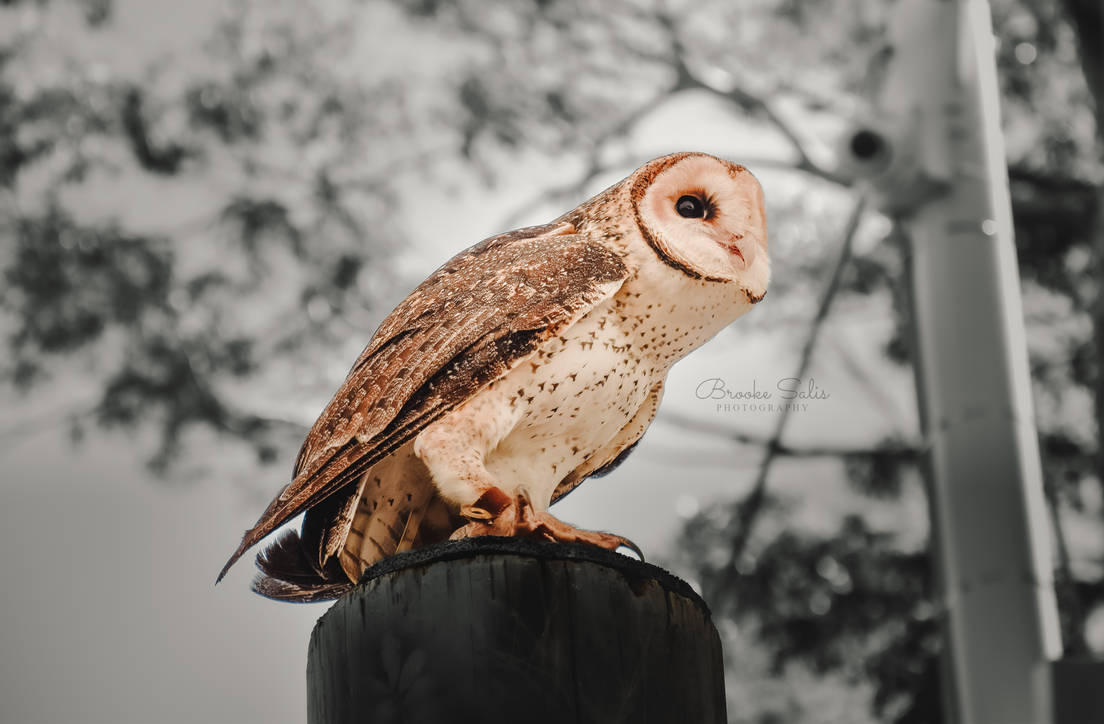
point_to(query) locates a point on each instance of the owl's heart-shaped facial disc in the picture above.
(705, 216)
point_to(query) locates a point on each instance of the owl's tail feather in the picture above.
(290, 574)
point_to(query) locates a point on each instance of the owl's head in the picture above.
(705, 217)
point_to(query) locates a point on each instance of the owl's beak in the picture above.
(742, 250)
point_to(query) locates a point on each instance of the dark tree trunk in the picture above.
(503, 630)
(1086, 17)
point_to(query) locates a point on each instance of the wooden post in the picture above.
(990, 532)
(503, 630)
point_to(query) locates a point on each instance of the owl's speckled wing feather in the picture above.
(473, 320)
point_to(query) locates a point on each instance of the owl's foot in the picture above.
(497, 514)
(546, 526)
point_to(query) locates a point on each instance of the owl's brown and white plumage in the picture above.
(523, 365)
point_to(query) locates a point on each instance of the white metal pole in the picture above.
(992, 544)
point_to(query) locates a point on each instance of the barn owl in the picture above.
(519, 368)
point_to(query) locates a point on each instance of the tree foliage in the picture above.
(175, 322)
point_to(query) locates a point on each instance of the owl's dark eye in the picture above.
(690, 207)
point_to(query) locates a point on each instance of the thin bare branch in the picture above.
(741, 437)
(755, 105)
(745, 100)
(749, 509)
(1065, 582)
(594, 165)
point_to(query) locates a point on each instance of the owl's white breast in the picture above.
(583, 387)
(573, 396)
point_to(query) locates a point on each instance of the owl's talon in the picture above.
(546, 526)
(464, 531)
(626, 543)
(487, 506)
(473, 513)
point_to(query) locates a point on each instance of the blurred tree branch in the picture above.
(904, 452)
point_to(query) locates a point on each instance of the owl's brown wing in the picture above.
(470, 323)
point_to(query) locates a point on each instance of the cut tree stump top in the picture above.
(505, 630)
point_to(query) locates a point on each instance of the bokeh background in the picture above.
(207, 207)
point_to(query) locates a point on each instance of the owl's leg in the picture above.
(454, 448)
